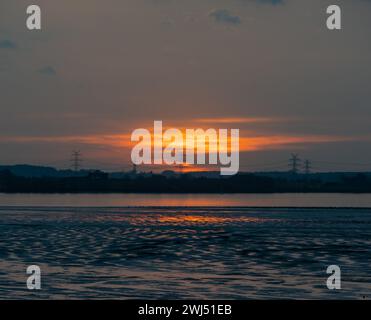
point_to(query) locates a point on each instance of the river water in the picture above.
(185, 246)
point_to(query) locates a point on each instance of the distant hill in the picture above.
(322, 176)
(27, 179)
(33, 171)
(30, 171)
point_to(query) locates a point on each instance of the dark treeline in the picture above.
(100, 182)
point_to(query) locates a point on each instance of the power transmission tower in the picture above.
(307, 166)
(294, 163)
(76, 160)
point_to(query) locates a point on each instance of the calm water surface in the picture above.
(196, 252)
(189, 200)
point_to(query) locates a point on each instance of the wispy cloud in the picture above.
(248, 143)
(273, 2)
(117, 140)
(7, 44)
(274, 142)
(231, 120)
(47, 71)
(224, 16)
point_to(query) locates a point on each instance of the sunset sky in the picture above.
(100, 69)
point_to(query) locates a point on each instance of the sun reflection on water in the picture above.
(206, 219)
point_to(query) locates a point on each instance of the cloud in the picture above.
(272, 2)
(231, 120)
(224, 16)
(279, 142)
(113, 140)
(7, 44)
(248, 142)
(48, 71)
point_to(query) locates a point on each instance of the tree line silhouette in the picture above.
(101, 182)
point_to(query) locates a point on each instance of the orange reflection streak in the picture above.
(198, 219)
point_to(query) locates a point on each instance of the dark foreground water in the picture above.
(174, 252)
